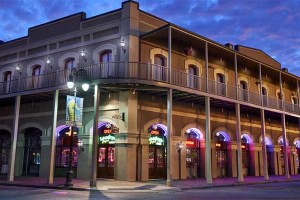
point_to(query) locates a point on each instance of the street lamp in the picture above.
(179, 146)
(78, 76)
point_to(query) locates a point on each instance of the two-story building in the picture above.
(163, 102)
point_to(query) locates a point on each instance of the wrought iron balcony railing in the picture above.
(149, 72)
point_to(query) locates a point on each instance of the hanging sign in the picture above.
(74, 111)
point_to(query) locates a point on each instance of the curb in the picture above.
(125, 190)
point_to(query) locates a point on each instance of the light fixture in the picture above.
(85, 86)
(123, 45)
(70, 82)
(18, 68)
(180, 145)
(83, 55)
(49, 61)
(133, 92)
(80, 145)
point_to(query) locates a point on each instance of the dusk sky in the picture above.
(270, 25)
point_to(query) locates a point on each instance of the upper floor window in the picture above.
(193, 70)
(36, 71)
(159, 60)
(69, 63)
(278, 95)
(7, 76)
(264, 91)
(192, 76)
(294, 100)
(243, 85)
(244, 91)
(220, 78)
(105, 56)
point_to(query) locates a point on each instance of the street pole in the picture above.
(69, 177)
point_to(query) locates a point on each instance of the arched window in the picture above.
(159, 68)
(243, 91)
(105, 56)
(36, 71)
(69, 63)
(63, 142)
(265, 96)
(107, 69)
(159, 60)
(264, 91)
(192, 76)
(221, 87)
(7, 77)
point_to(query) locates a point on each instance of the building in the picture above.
(165, 102)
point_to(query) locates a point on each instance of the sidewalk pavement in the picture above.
(109, 185)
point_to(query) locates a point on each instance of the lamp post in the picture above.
(179, 147)
(80, 76)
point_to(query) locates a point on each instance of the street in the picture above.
(286, 190)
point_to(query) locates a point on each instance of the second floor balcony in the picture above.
(147, 74)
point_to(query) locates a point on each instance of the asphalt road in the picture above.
(282, 191)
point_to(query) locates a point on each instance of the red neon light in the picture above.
(107, 131)
(154, 132)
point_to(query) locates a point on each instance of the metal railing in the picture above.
(149, 72)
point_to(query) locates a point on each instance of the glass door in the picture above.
(106, 161)
(157, 162)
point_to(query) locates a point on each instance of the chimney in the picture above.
(229, 45)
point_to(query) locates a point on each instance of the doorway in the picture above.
(32, 152)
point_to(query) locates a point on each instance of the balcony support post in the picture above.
(53, 138)
(206, 66)
(281, 94)
(238, 140)
(236, 76)
(285, 150)
(93, 180)
(208, 173)
(169, 138)
(260, 86)
(263, 144)
(170, 54)
(298, 96)
(12, 157)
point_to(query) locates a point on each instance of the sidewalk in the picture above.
(108, 185)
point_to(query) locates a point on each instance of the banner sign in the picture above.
(74, 111)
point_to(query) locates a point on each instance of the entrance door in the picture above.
(157, 162)
(246, 160)
(32, 152)
(4, 151)
(193, 162)
(221, 163)
(106, 161)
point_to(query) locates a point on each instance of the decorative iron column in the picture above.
(53, 138)
(93, 181)
(12, 157)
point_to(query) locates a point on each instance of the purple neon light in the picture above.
(198, 133)
(225, 135)
(248, 138)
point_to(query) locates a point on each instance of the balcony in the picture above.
(121, 71)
